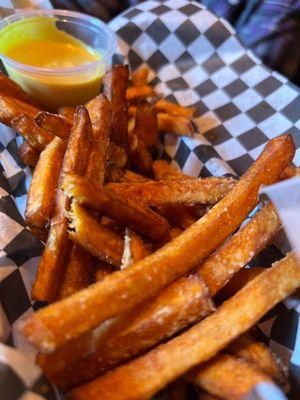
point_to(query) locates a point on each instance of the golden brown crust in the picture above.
(180, 126)
(228, 377)
(9, 88)
(11, 108)
(140, 76)
(53, 123)
(66, 112)
(135, 93)
(36, 136)
(146, 125)
(134, 249)
(51, 266)
(163, 171)
(105, 299)
(28, 154)
(141, 378)
(41, 194)
(115, 85)
(166, 106)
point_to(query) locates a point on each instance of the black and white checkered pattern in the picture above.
(196, 59)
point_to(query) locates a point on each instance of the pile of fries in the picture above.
(144, 266)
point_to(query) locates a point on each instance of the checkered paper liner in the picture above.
(196, 60)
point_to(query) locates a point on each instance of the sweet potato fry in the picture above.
(130, 176)
(28, 154)
(54, 124)
(12, 108)
(101, 270)
(41, 195)
(119, 341)
(10, 88)
(140, 76)
(163, 171)
(240, 279)
(290, 172)
(134, 249)
(77, 273)
(228, 377)
(167, 107)
(100, 114)
(259, 354)
(36, 136)
(140, 157)
(51, 266)
(88, 233)
(115, 85)
(66, 112)
(127, 211)
(141, 378)
(177, 215)
(180, 126)
(117, 156)
(135, 93)
(247, 242)
(154, 193)
(146, 125)
(105, 299)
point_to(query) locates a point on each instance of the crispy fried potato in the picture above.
(228, 377)
(135, 93)
(88, 233)
(54, 124)
(247, 242)
(105, 299)
(66, 112)
(177, 215)
(117, 156)
(77, 273)
(41, 195)
(163, 171)
(51, 266)
(154, 193)
(36, 136)
(259, 354)
(127, 211)
(167, 107)
(142, 377)
(146, 125)
(115, 85)
(118, 342)
(140, 76)
(130, 176)
(10, 88)
(140, 157)
(28, 154)
(134, 249)
(12, 108)
(180, 126)
(290, 172)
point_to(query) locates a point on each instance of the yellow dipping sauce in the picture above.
(37, 42)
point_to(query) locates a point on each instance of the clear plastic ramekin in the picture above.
(66, 86)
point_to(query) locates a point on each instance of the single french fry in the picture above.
(118, 341)
(168, 107)
(240, 279)
(127, 211)
(117, 156)
(259, 354)
(28, 154)
(88, 233)
(180, 126)
(130, 176)
(163, 171)
(155, 193)
(36, 136)
(140, 157)
(222, 264)
(135, 93)
(146, 125)
(101, 270)
(100, 114)
(11, 108)
(41, 194)
(77, 272)
(104, 300)
(10, 88)
(177, 214)
(66, 112)
(114, 87)
(140, 76)
(134, 249)
(51, 266)
(228, 377)
(142, 377)
(53, 123)
(237, 252)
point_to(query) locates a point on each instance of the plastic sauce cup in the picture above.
(63, 86)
